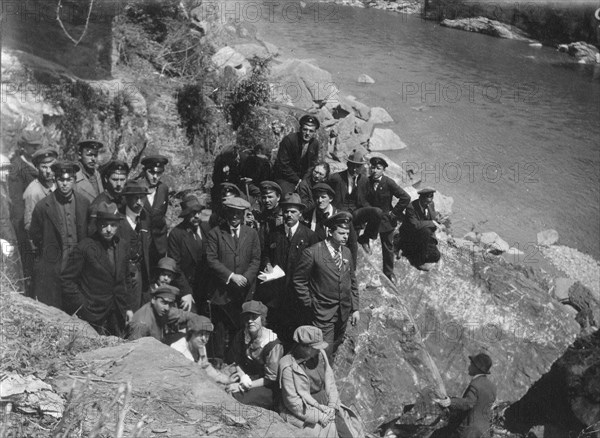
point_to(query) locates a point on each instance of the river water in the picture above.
(510, 131)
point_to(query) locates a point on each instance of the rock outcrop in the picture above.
(583, 52)
(488, 27)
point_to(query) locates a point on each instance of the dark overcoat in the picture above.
(339, 183)
(290, 165)
(382, 198)
(415, 218)
(157, 221)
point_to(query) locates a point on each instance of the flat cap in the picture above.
(108, 211)
(43, 153)
(378, 160)
(199, 323)
(292, 200)
(270, 186)
(133, 187)
(309, 120)
(236, 203)
(190, 204)
(168, 264)
(166, 291)
(311, 336)
(64, 167)
(114, 166)
(255, 307)
(322, 187)
(358, 156)
(426, 191)
(482, 362)
(90, 144)
(154, 161)
(342, 219)
(33, 136)
(227, 187)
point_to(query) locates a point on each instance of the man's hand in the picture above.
(128, 316)
(245, 382)
(187, 301)
(443, 402)
(233, 388)
(239, 280)
(355, 317)
(324, 419)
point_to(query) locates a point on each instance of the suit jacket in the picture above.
(45, 232)
(290, 165)
(90, 282)
(321, 231)
(190, 255)
(415, 218)
(127, 233)
(156, 216)
(322, 287)
(85, 187)
(382, 198)
(476, 406)
(224, 258)
(339, 183)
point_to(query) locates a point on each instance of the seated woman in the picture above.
(309, 397)
(256, 350)
(193, 347)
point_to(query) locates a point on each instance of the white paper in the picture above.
(273, 275)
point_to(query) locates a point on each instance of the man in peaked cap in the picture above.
(43, 185)
(298, 153)
(325, 282)
(416, 238)
(471, 413)
(283, 247)
(58, 224)
(378, 192)
(156, 204)
(225, 191)
(95, 281)
(88, 181)
(187, 244)
(233, 256)
(114, 176)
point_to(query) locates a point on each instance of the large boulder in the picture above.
(583, 52)
(229, 57)
(380, 115)
(385, 140)
(487, 27)
(432, 321)
(547, 237)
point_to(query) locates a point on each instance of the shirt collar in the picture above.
(292, 229)
(131, 214)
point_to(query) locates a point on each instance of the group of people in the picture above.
(268, 283)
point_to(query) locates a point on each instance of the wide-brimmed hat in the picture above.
(108, 211)
(133, 187)
(310, 336)
(358, 156)
(292, 199)
(190, 204)
(482, 362)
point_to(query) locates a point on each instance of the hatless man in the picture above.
(270, 215)
(379, 191)
(298, 153)
(95, 281)
(283, 247)
(58, 224)
(325, 283)
(114, 176)
(88, 181)
(233, 256)
(43, 185)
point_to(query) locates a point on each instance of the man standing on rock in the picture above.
(379, 191)
(297, 155)
(417, 233)
(114, 175)
(325, 283)
(88, 181)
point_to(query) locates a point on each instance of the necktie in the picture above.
(338, 259)
(138, 224)
(352, 185)
(289, 235)
(426, 213)
(376, 184)
(235, 237)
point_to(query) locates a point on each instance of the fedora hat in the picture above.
(482, 362)
(358, 156)
(108, 211)
(190, 204)
(292, 199)
(133, 187)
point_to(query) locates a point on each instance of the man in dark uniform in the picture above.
(298, 153)
(43, 185)
(233, 256)
(316, 218)
(22, 173)
(346, 185)
(95, 281)
(88, 181)
(114, 176)
(270, 215)
(187, 246)
(472, 413)
(283, 247)
(58, 224)
(417, 233)
(156, 204)
(378, 192)
(325, 283)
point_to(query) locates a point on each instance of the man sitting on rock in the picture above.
(417, 232)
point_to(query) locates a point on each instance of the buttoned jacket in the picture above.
(382, 197)
(85, 187)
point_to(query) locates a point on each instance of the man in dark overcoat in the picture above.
(325, 283)
(283, 247)
(95, 281)
(114, 176)
(58, 224)
(88, 181)
(298, 153)
(233, 256)
(379, 191)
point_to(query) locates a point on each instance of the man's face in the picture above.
(323, 201)
(116, 182)
(108, 229)
(318, 174)
(45, 174)
(291, 216)
(194, 219)
(340, 235)
(161, 305)
(135, 202)
(89, 158)
(377, 171)
(200, 339)
(354, 169)
(308, 132)
(164, 277)
(234, 216)
(425, 200)
(270, 199)
(64, 184)
(153, 175)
